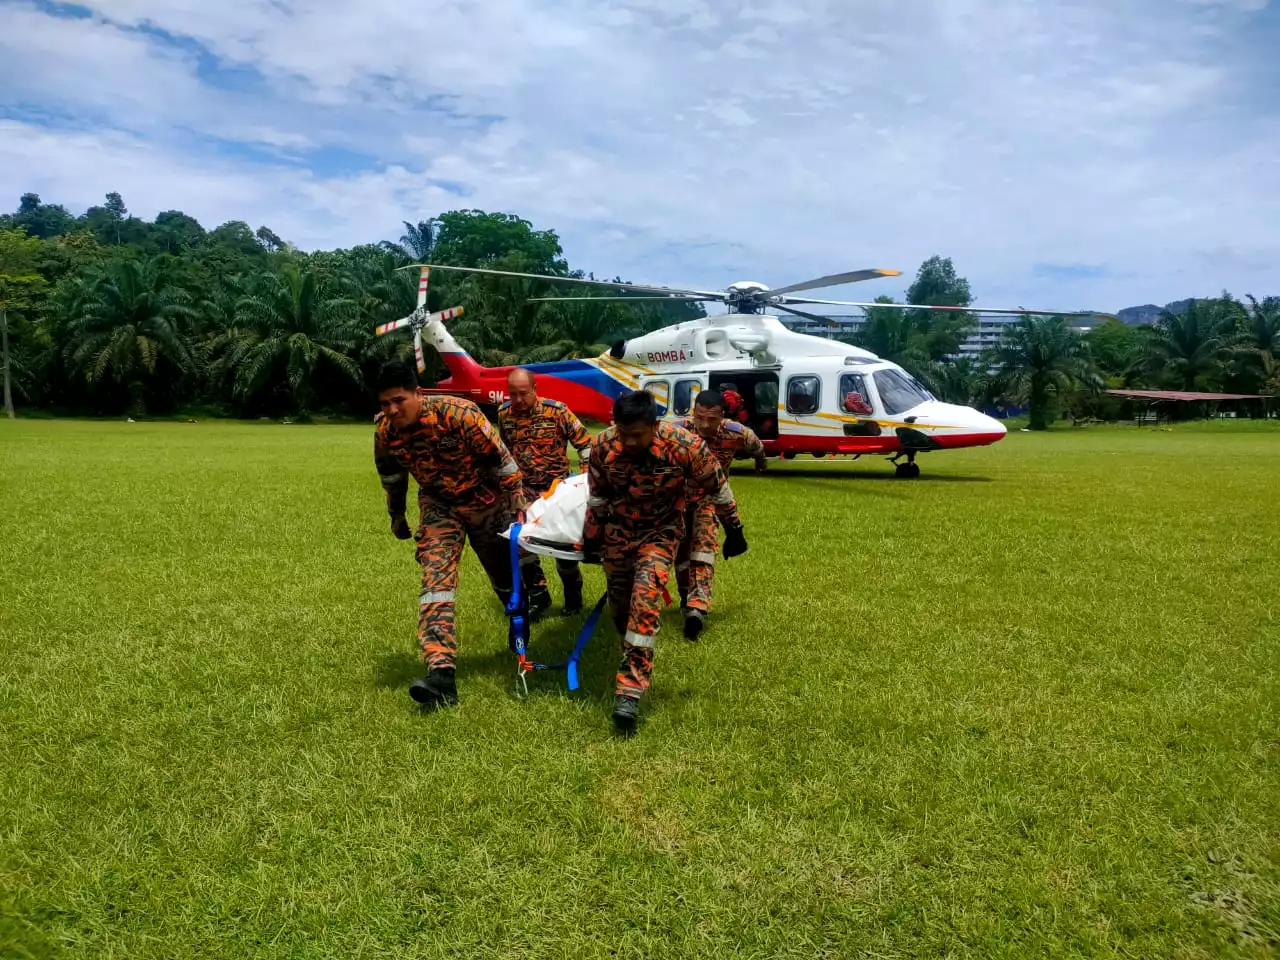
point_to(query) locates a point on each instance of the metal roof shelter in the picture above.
(1153, 397)
(1185, 395)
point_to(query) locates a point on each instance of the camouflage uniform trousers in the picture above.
(696, 558)
(636, 576)
(440, 537)
(531, 575)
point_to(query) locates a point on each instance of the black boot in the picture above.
(572, 598)
(539, 603)
(626, 714)
(694, 621)
(437, 688)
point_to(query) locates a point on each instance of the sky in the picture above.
(1066, 154)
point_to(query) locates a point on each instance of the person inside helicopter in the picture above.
(756, 405)
(855, 403)
(735, 405)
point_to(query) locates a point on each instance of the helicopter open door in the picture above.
(759, 392)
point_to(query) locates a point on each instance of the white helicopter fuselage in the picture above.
(803, 394)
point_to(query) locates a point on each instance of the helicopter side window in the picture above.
(661, 391)
(854, 398)
(686, 390)
(803, 395)
(898, 393)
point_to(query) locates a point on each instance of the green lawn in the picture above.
(1026, 706)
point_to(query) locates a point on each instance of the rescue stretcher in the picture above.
(552, 527)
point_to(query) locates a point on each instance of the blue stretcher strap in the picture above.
(513, 605)
(588, 628)
(519, 619)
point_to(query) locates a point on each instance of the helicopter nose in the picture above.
(967, 427)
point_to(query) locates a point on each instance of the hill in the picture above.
(1148, 313)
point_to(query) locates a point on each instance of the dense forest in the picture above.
(108, 314)
(105, 313)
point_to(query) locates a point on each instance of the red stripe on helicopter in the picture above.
(886, 443)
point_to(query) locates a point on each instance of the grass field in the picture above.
(1026, 706)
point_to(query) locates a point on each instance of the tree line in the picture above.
(1051, 367)
(106, 313)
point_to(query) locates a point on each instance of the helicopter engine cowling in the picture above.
(752, 343)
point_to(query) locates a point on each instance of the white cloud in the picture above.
(694, 141)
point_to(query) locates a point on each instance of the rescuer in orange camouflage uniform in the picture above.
(638, 477)
(696, 557)
(536, 431)
(469, 488)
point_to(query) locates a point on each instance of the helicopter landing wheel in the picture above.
(907, 471)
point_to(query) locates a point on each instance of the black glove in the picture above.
(735, 542)
(400, 527)
(590, 551)
(762, 466)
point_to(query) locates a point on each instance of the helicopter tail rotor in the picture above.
(419, 319)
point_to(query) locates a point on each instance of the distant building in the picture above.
(985, 335)
(833, 328)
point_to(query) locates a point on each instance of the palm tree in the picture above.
(126, 323)
(1187, 348)
(582, 328)
(960, 381)
(919, 341)
(382, 292)
(1040, 359)
(417, 241)
(892, 335)
(287, 330)
(217, 309)
(500, 325)
(1256, 346)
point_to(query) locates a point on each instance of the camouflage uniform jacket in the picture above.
(731, 441)
(454, 454)
(537, 440)
(633, 501)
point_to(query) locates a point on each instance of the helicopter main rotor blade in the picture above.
(835, 279)
(673, 297)
(615, 284)
(924, 306)
(809, 316)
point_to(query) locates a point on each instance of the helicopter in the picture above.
(801, 394)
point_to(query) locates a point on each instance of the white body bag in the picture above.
(553, 523)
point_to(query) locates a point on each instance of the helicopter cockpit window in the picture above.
(686, 390)
(854, 398)
(898, 393)
(803, 395)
